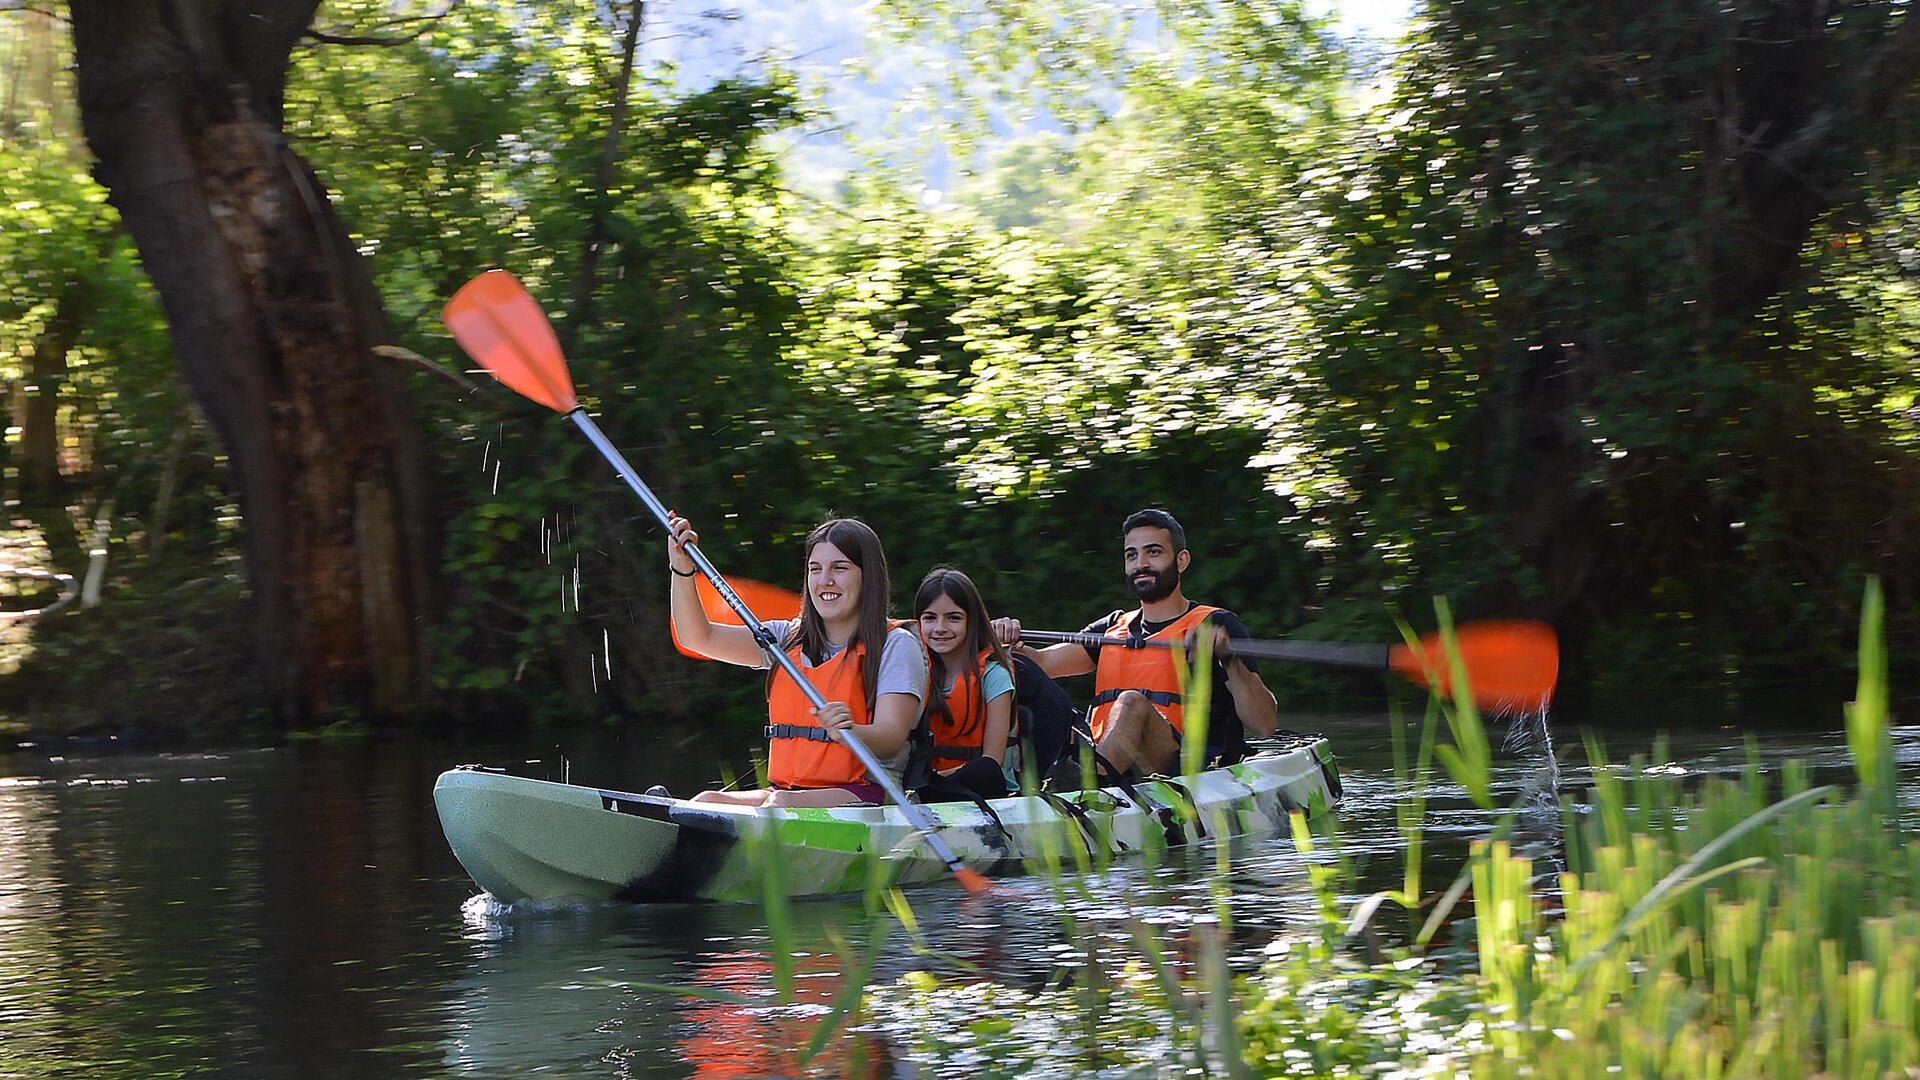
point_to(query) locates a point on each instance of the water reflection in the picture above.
(593, 990)
(691, 990)
(295, 912)
(165, 915)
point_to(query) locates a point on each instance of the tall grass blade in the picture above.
(1469, 760)
(779, 905)
(850, 996)
(1867, 734)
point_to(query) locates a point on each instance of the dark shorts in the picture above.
(859, 789)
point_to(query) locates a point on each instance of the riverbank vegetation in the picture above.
(1569, 314)
(1752, 925)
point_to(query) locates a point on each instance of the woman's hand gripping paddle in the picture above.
(502, 327)
(1511, 666)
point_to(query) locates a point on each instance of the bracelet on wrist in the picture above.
(680, 573)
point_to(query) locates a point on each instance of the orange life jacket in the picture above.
(801, 753)
(1150, 671)
(959, 736)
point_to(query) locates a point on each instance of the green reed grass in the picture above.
(1756, 925)
(1752, 926)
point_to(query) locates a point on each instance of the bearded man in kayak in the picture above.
(1137, 719)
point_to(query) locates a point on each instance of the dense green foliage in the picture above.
(1610, 273)
(1549, 318)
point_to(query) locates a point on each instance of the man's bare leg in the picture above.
(1138, 739)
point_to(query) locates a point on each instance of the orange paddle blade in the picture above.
(972, 880)
(501, 326)
(1512, 666)
(765, 601)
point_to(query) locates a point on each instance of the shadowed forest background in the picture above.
(1600, 312)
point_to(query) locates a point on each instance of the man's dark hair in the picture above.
(1156, 519)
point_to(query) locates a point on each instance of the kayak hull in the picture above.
(526, 839)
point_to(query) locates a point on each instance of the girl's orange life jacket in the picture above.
(959, 736)
(1150, 671)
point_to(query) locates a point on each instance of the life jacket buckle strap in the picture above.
(798, 731)
(1158, 697)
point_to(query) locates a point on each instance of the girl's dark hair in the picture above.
(861, 546)
(958, 587)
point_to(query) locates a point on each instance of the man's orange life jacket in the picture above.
(1150, 671)
(801, 753)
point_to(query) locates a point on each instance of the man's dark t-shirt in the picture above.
(1226, 736)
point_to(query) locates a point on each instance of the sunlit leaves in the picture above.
(69, 278)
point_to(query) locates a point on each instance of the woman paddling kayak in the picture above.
(872, 673)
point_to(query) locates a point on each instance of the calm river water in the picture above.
(295, 911)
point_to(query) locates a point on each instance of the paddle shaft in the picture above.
(923, 820)
(1313, 652)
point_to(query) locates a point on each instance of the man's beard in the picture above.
(1158, 588)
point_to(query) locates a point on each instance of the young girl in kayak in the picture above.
(970, 687)
(873, 675)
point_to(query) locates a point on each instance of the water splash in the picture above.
(1539, 829)
(1530, 736)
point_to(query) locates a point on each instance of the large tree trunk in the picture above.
(273, 319)
(37, 406)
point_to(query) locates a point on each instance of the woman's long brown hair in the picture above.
(861, 545)
(959, 588)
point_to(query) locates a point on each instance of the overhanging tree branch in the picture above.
(596, 233)
(18, 5)
(427, 23)
(1876, 88)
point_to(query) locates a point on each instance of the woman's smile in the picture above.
(833, 581)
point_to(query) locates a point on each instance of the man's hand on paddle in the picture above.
(1220, 639)
(1057, 661)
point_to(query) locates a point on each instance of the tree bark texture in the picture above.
(273, 318)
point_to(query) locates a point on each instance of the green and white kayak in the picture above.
(534, 839)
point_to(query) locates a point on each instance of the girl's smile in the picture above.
(943, 625)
